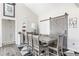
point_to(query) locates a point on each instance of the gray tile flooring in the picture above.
(12, 50)
(9, 50)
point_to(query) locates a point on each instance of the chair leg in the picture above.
(47, 52)
(57, 53)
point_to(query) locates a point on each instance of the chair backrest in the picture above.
(30, 39)
(36, 42)
(20, 37)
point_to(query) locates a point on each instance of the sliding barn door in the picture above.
(59, 25)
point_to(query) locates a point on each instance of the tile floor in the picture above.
(9, 50)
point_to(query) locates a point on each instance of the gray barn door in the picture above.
(59, 25)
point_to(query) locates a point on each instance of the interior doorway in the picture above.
(8, 31)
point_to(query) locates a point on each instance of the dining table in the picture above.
(47, 39)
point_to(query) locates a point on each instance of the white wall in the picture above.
(45, 27)
(0, 34)
(0, 25)
(73, 11)
(22, 15)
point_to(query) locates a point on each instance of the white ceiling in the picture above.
(41, 8)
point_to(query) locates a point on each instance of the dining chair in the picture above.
(30, 39)
(39, 48)
(36, 46)
(56, 47)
